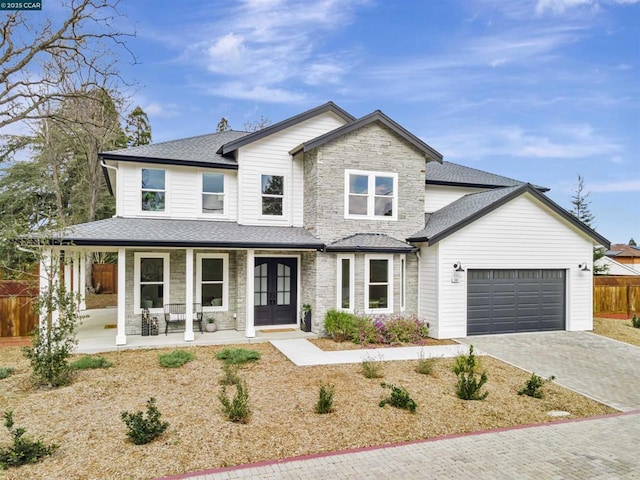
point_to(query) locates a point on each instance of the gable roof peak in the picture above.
(289, 122)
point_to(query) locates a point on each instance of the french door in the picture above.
(275, 291)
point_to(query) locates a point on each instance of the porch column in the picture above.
(121, 338)
(82, 289)
(75, 264)
(67, 272)
(250, 330)
(188, 296)
(49, 281)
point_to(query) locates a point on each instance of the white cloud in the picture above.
(155, 109)
(621, 186)
(247, 91)
(558, 7)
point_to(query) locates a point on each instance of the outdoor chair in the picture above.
(176, 313)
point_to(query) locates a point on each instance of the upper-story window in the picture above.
(213, 193)
(372, 195)
(272, 189)
(153, 190)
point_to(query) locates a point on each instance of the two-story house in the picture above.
(336, 212)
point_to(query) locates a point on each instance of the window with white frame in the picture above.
(272, 192)
(151, 278)
(378, 290)
(213, 193)
(345, 282)
(153, 190)
(372, 195)
(212, 281)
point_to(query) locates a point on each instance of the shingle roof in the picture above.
(369, 242)
(470, 208)
(623, 250)
(448, 173)
(120, 231)
(200, 150)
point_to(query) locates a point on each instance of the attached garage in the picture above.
(509, 301)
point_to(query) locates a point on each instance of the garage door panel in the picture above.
(506, 301)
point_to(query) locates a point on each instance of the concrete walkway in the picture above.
(598, 367)
(304, 353)
(601, 448)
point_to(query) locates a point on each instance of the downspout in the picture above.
(118, 197)
(419, 285)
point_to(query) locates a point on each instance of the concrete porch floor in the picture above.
(93, 337)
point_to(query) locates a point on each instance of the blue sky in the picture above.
(537, 90)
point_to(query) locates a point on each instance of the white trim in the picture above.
(250, 329)
(121, 337)
(352, 281)
(371, 175)
(225, 281)
(188, 296)
(367, 259)
(166, 279)
(403, 283)
(167, 194)
(225, 197)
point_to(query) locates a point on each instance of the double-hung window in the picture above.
(372, 195)
(212, 281)
(153, 190)
(272, 192)
(213, 193)
(151, 276)
(378, 290)
(345, 283)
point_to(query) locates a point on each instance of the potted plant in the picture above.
(211, 325)
(306, 317)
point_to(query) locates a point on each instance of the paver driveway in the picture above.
(598, 367)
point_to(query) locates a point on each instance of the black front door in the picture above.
(275, 291)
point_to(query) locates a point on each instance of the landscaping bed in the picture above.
(329, 345)
(617, 329)
(84, 417)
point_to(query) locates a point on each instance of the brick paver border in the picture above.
(390, 445)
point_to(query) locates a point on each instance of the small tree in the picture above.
(632, 243)
(260, 124)
(223, 125)
(24, 450)
(53, 342)
(138, 129)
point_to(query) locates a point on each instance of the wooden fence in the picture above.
(17, 318)
(618, 294)
(105, 275)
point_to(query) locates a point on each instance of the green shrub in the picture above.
(399, 398)
(23, 450)
(533, 387)
(372, 366)
(365, 332)
(6, 372)
(425, 365)
(635, 321)
(230, 376)
(143, 430)
(53, 342)
(398, 329)
(237, 356)
(237, 410)
(469, 384)
(86, 363)
(340, 326)
(325, 399)
(175, 359)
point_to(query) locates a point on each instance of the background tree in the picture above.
(263, 122)
(138, 128)
(580, 209)
(223, 125)
(632, 242)
(39, 54)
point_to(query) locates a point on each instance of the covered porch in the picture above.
(96, 335)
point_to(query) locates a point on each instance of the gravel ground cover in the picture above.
(328, 345)
(621, 330)
(84, 417)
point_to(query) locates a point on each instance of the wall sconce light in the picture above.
(584, 267)
(458, 267)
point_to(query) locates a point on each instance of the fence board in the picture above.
(616, 294)
(17, 318)
(105, 274)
